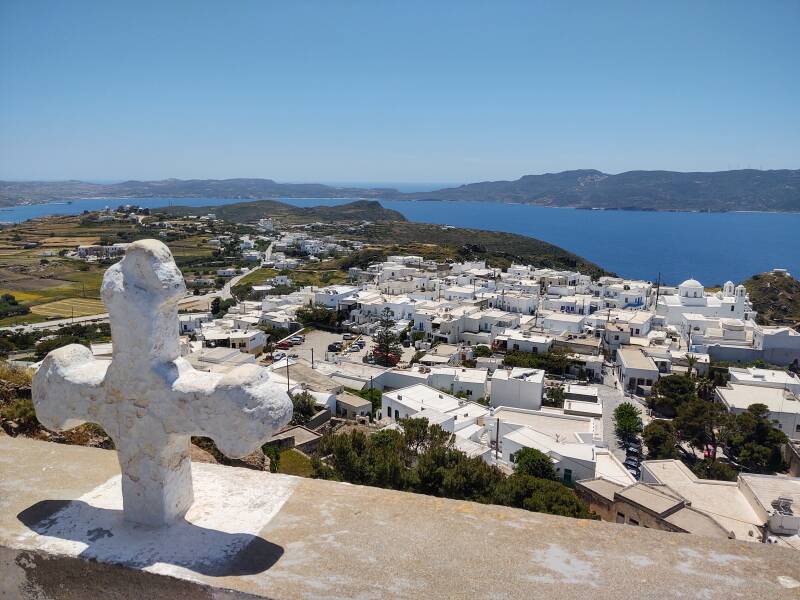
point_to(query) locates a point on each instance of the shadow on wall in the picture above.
(74, 527)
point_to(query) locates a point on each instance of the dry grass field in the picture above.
(69, 307)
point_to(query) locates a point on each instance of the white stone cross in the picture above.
(149, 399)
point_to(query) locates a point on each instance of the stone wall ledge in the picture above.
(259, 535)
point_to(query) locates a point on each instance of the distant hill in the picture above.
(776, 298)
(15, 192)
(499, 249)
(747, 189)
(389, 229)
(242, 212)
(640, 190)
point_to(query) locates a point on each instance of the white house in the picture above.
(333, 295)
(635, 368)
(519, 388)
(189, 323)
(440, 408)
(783, 405)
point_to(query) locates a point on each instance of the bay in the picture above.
(710, 247)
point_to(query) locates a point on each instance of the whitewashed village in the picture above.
(508, 360)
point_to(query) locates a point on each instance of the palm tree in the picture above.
(691, 360)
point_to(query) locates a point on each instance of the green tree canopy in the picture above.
(530, 461)
(303, 408)
(661, 440)
(714, 469)
(627, 422)
(754, 442)
(422, 458)
(670, 392)
(701, 423)
(387, 346)
(481, 350)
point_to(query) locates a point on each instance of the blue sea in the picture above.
(710, 247)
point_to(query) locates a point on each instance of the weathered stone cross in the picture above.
(149, 399)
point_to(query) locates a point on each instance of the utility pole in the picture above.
(288, 384)
(312, 358)
(658, 290)
(497, 438)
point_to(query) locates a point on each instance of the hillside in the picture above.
(748, 189)
(451, 243)
(776, 298)
(243, 212)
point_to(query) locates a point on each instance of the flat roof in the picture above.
(633, 358)
(602, 487)
(696, 522)
(521, 373)
(651, 497)
(553, 424)
(530, 438)
(777, 400)
(353, 401)
(722, 500)
(420, 397)
(755, 376)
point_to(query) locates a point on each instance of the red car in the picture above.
(283, 345)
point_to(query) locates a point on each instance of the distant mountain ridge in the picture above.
(640, 190)
(748, 189)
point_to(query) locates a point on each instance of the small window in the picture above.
(633, 522)
(567, 475)
(620, 517)
(797, 428)
(732, 307)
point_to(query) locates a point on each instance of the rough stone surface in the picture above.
(334, 540)
(150, 400)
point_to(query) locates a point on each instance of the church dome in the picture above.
(691, 283)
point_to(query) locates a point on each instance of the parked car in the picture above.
(335, 347)
(347, 336)
(631, 463)
(637, 474)
(278, 356)
(361, 343)
(283, 345)
(634, 445)
(296, 340)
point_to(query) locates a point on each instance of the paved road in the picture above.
(225, 292)
(611, 397)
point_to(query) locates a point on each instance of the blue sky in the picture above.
(394, 91)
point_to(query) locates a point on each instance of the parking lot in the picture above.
(320, 340)
(316, 340)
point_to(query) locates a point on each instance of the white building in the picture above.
(783, 405)
(730, 303)
(440, 408)
(635, 369)
(518, 388)
(332, 296)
